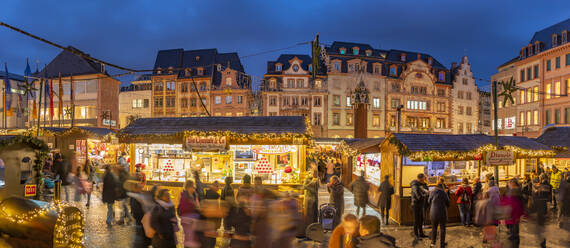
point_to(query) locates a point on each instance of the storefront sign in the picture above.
(108, 122)
(510, 122)
(208, 143)
(30, 190)
(274, 149)
(500, 157)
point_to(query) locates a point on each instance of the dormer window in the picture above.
(159, 70)
(355, 50)
(229, 81)
(393, 70)
(564, 37)
(368, 53)
(197, 58)
(200, 71)
(342, 50)
(311, 68)
(529, 50)
(296, 68)
(278, 67)
(170, 69)
(187, 72)
(403, 57)
(537, 47)
(554, 40)
(441, 76)
(430, 61)
(377, 69)
(523, 52)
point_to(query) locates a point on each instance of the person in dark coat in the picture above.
(163, 221)
(370, 235)
(385, 200)
(110, 184)
(564, 198)
(526, 190)
(245, 189)
(122, 197)
(199, 184)
(360, 190)
(419, 199)
(137, 211)
(540, 196)
(336, 193)
(311, 200)
(228, 191)
(240, 220)
(439, 202)
(62, 169)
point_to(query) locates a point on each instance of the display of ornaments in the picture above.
(262, 166)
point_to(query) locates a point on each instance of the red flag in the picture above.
(51, 99)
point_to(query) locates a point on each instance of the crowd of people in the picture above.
(483, 205)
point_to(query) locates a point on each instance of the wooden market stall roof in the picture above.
(237, 129)
(557, 138)
(98, 132)
(33, 142)
(463, 146)
(368, 145)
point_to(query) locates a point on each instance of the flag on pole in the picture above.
(8, 90)
(60, 98)
(51, 99)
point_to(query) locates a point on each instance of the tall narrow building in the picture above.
(464, 99)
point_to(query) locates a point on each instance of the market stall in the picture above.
(99, 145)
(559, 139)
(334, 149)
(366, 160)
(171, 150)
(452, 157)
(21, 161)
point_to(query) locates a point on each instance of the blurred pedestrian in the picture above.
(564, 201)
(62, 170)
(245, 189)
(110, 184)
(345, 235)
(439, 202)
(123, 176)
(141, 203)
(385, 200)
(330, 170)
(122, 161)
(239, 219)
(464, 196)
(359, 189)
(336, 197)
(212, 191)
(541, 193)
(89, 172)
(284, 219)
(526, 191)
(419, 199)
(370, 235)
(311, 200)
(163, 221)
(199, 185)
(513, 200)
(555, 179)
(187, 210)
(228, 191)
(492, 196)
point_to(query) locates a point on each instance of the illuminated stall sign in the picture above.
(274, 149)
(208, 143)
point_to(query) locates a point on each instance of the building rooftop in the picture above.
(555, 137)
(545, 35)
(68, 64)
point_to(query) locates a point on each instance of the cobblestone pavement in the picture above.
(97, 234)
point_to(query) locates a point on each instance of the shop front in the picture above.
(170, 151)
(451, 157)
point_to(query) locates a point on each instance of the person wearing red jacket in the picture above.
(464, 195)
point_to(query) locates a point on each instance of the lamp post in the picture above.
(399, 109)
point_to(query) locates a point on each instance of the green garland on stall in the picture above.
(41, 153)
(401, 148)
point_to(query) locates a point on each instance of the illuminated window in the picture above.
(218, 100)
(557, 89)
(318, 84)
(228, 99)
(376, 102)
(529, 95)
(349, 119)
(375, 120)
(535, 117)
(522, 96)
(272, 83)
(418, 105)
(342, 50)
(348, 101)
(355, 51)
(528, 118)
(239, 114)
(228, 81)
(521, 119)
(548, 91)
(535, 91)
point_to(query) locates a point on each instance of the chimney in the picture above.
(453, 65)
(419, 56)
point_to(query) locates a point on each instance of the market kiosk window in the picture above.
(369, 164)
(275, 164)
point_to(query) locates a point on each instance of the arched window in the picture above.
(272, 83)
(342, 50)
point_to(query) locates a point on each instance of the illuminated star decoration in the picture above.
(508, 89)
(67, 111)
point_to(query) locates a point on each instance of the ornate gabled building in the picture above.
(465, 99)
(422, 86)
(347, 65)
(288, 89)
(181, 78)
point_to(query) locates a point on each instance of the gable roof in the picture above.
(368, 145)
(68, 64)
(242, 125)
(545, 35)
(284, 61)
(12, 76)
(462, 142)
(555, 137)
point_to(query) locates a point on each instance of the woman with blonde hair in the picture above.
(345, 234)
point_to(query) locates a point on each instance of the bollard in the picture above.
(57, 191)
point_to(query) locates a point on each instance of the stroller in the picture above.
(327, 212)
